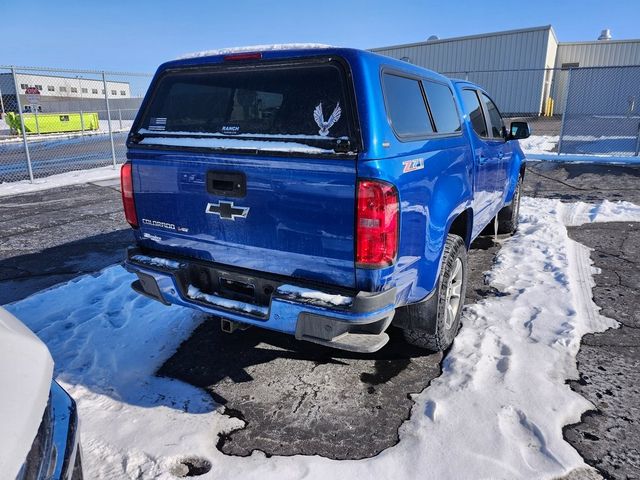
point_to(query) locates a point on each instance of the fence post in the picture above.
(1, 104)
(24, 131)
(120, 117)
(80, 105)
(37, 122)
(106, 99)
(564, 113)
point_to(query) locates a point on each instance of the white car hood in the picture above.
(26, 369)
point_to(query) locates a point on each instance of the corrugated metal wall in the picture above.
(599, 54)
(607, 53)
(481, 55)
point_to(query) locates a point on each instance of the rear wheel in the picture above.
(452, 285)
(508, 216)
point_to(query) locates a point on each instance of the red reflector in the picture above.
(243, 56)
(376, 224)
(126, 184)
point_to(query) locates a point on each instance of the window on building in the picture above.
(443, 107)
(122, 92)
(39, 87)
(74, 90)
(24, 86)
(472, 108)
(51, 88)
(114, 92)
(405, 106)
(94, 91)
(63, 89)
(494, 117)
(566, 66)
(84, 90)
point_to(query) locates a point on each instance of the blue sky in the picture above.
(139, 35)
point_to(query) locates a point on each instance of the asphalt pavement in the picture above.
(300, 398)
(57, 155)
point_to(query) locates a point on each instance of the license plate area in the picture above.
(231, 285)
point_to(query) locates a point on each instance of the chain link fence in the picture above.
(64, 120)
(587, 112)
(602, 112)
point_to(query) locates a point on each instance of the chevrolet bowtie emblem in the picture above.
(227, 210)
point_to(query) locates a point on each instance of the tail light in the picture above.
(376, 224)
(126, 184)
(243, 56)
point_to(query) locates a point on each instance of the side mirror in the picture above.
(519, 130)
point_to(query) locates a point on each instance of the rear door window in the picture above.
(302, 103)
(405, 106)
(473, 108)
(494, 117)
(443, 107)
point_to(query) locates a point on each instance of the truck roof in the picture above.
(298, 50)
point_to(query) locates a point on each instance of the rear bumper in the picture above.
(347, 320)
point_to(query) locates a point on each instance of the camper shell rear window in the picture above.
(303, 107)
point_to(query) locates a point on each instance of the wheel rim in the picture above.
(453, 294)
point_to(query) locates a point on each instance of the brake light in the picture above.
(243, 56)
(376, 224)
(126, 184)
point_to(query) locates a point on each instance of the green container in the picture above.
(53, 122)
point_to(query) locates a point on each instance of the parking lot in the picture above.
(301, 399)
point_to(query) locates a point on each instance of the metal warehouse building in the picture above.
(522, 69)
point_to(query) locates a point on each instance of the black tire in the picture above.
(445, 328)
(508, 216)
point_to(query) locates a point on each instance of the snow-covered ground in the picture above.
(544, 147)
(497, 410)
(62, 179)
(539, 144)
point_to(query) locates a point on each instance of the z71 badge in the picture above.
(413, 165)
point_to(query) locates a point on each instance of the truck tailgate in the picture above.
(283, 215)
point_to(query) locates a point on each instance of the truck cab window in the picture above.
(472, 108)
(494, 117)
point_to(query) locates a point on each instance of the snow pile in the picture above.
(63, 179)
(232, 143)
(255, 48)
(308, 294)
(539, 144)
(497, 410)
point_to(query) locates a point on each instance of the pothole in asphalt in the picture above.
(191, 467)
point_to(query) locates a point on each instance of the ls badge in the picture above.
(227, 210)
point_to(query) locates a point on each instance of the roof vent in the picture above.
(605, 34)
(432, 38)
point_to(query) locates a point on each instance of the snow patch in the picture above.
(539, 144)
(232, 143)
(76, 177)
(308, 294)
(255, 48)
(157, 262)
(195, 294)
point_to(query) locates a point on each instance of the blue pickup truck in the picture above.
(327, 193)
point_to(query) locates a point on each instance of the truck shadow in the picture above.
(24, 275)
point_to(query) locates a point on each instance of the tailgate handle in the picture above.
(227, 184)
